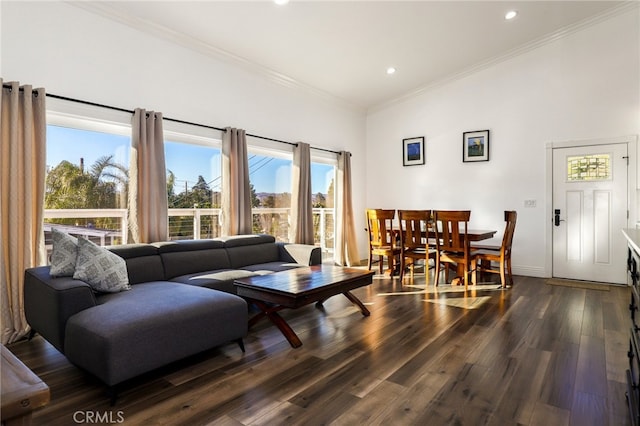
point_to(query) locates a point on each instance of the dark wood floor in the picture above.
(535, 354)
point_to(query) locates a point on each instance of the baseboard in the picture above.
(528, 271)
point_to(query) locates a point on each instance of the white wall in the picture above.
(74, 53)
(583, 86)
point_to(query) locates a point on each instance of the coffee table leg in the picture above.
(358, 303)
(271, 312)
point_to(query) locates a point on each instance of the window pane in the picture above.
(589, 167)
(193, 188)
(87, 170)
(270, 180)
(322, 188)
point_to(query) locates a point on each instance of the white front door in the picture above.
(589, 211)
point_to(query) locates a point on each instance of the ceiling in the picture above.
(342, 49)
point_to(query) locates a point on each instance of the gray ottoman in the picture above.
(151, 325)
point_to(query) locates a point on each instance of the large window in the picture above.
(86, 185)
(193, 189)
(270, 183)
(86, 191)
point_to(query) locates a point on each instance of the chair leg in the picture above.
(474, 272)
(426, 272)
(467, 275)
(392, 265)
(503, 281)
(370, 260)
(481, 269)
(403, 265)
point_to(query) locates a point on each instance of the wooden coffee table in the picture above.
(299, 287)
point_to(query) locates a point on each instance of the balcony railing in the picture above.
(105, 226)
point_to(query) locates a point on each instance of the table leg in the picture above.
(353, 299)
(271, 312)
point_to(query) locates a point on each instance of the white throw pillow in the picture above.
(101, 269)
(64, 254)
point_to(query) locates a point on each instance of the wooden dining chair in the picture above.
(451, 229)
(486, 255)
(415, 242)
(382, 238)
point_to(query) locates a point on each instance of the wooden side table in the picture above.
(21, 391)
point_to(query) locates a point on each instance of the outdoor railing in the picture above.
(105, 226)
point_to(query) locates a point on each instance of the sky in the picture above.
(186, 161)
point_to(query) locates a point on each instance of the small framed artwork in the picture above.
(413, 151)
(475, 146)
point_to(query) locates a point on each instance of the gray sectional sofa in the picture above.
(182, 301)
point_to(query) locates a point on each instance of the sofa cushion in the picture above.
(246, 240)
(241, 256)
(190, 256)
(64, 254)
(187, 245)
(130, 251)
(262, 268)
(149, 326)
(101, 269)
(221, 279)
(143, 262)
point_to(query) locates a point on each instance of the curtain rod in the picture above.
(80, 101)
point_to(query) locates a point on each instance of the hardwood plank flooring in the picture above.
(535, 354)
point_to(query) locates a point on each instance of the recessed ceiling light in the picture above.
(280, 2)
(391, 70)
(510, 15)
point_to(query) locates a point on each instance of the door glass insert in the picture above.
(589, 168)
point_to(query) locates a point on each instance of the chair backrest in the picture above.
(380, 224)
(414, 228)
(510, 217)
(451, 229)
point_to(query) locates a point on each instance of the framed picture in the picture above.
(475, 146)
(413, 151)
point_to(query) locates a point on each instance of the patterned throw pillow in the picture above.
(101, 269)
(64, 254)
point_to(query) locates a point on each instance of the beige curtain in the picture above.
(22, 178)
(301, 230)
(148, 204)
(346, 250)
(236, 193)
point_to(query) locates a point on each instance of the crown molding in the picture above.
(535, 44)
(195, 44)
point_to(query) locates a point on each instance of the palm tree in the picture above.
(109, 179)
(68, 186)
